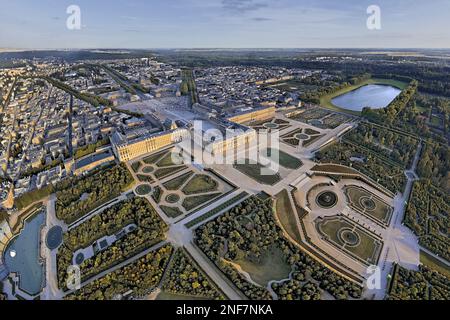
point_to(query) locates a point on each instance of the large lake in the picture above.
(26, 261)
(375, 96)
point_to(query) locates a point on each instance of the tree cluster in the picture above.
(78, 196)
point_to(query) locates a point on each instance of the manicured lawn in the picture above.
(151, 159)
(177, 182)
(286, 215)
(382, 211)
(193, 202)
(148, 169)
(254, 172)
(200, 183)
(272, 266)
(166, 172)
(136, 166)
(311, 140)
(285, 160)
(171, 212)
(170, 159)
(157, 194)
(172, 198)
(144, 178)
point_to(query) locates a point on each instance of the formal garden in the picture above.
(271, 125)
(350, 238)
(158, 166)
(189, 191)
(369, 204)
(322, 118)
(301, 137)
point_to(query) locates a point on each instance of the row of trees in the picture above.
(77, 196)
(150, 230)
(188, 86)
(138, 277)
(226, 238)
(85, 96)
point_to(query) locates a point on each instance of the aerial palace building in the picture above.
(129, 148)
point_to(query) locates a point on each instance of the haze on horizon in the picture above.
(140, 24)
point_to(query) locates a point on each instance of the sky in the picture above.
(146, 24)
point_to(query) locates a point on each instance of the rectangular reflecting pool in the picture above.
(22, 255)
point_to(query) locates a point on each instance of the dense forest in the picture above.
(435, 165)
(425, 284)
(427, 214)
(186, 278)
(150, 230)
(138, 278)
(225, 238)
(393, 145)
(84, 194)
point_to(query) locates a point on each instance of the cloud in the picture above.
(243, 6)
(261, 19)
